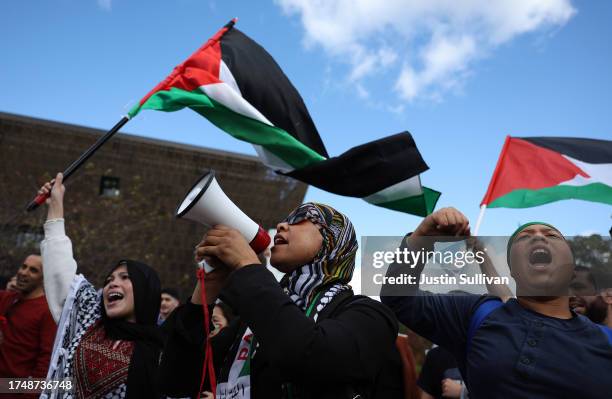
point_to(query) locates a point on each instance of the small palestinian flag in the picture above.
(532, 171)
(237, 85)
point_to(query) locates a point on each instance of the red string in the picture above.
(208, 353)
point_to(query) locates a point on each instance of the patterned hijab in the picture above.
(332, 268)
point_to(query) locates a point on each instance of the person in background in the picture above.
(27, 329)
(583, 290)
(440, 377)
(588, 299)
(169, 302)
(222, 316)
(11, 285)
(605, 297)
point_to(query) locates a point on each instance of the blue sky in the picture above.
(458, 76)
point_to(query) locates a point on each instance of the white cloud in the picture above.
(105, 4)
(435, 41)
(361, 91)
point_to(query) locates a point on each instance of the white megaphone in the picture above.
(206, 203)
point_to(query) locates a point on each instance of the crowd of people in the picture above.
(308, 336)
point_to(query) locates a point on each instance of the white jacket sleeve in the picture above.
(59, 266)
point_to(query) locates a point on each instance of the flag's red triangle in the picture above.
(200, 69)
(523, 165)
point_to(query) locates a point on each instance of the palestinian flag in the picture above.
(237, 85)
(532, 171)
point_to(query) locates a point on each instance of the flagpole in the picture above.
(487, 197)
(41, 198)
(483, 207)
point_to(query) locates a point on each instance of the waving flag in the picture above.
(533, 171)
(237, 85)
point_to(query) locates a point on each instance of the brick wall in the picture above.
(154, 176)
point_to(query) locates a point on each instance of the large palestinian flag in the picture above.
(533, 171)
(237, 85)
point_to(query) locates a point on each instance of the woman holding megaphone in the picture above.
(107, 341)
(308, 337)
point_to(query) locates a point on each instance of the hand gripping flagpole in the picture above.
(41, 198)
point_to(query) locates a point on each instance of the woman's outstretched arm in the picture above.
(59, 266)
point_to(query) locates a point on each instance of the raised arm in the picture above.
(441, 318)
(487, 267)
(441, 225)
(56, 250)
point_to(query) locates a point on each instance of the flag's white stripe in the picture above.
(225, 75)
(272, 161)
(228, 93)
(225, 94)
(408, 188)
(598, 172)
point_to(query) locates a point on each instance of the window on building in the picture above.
(24, 235)
(109, 186)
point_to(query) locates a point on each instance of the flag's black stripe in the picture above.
(281, 103)
(366, 169)
(586, 150)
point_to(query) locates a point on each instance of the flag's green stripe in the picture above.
(420, 205)
(275, 140)
(134, 111)
(596, 192)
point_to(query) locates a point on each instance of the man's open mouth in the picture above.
(540, 256)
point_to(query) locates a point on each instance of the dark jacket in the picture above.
(515, 352)
(351, 350)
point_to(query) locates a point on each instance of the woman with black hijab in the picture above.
(107, 342)
(307, 338)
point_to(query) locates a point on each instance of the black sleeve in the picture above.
(346, 347)
(183, 356)
(441, 318)
(432, 373)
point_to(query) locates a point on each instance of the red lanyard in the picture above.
(208, 354)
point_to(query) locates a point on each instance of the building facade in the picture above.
(121, 203)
